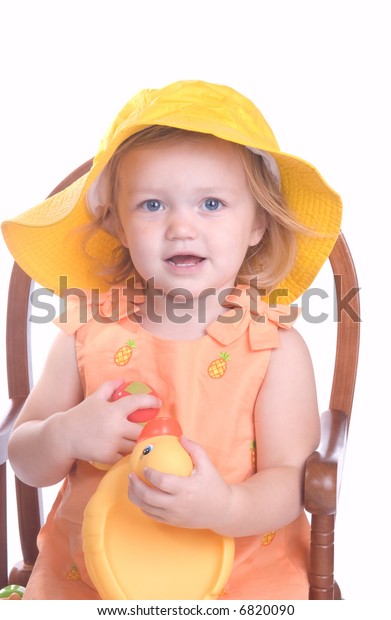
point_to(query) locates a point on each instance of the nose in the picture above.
(181, 224)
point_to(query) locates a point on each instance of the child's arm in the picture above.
(287, 432)
(56, 425)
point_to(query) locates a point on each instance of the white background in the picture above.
(320, 73)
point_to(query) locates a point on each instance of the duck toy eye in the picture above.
(147, 449)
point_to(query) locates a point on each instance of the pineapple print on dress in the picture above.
(218, 367)
(73, 573)
(253, 455)
(124, 354)
(267, 539)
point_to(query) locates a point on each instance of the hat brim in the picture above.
(47, 242)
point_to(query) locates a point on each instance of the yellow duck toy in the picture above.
(128, 555)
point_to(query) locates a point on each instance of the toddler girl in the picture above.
(175, 247)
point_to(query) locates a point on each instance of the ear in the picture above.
(259, 227)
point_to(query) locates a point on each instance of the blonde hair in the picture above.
(269, 261)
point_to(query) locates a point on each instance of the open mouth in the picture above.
(185, 260)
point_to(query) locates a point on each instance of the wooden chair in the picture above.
(323, 469)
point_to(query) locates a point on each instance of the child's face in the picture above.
(187, 213)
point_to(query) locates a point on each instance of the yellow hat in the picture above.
(46, 240)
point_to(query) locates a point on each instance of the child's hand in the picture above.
(201, 500)
(98, 430)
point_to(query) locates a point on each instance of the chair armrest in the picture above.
(6, 425)
(324, 467)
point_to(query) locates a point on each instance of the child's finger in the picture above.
(133, 402)
(197, 452)
(106, 389)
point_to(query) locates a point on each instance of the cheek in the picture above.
(143, 256)
(130, 235)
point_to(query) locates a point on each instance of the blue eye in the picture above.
(152, 205)
(212, 204)
(147, 450)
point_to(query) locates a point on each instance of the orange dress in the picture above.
(210, 385)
